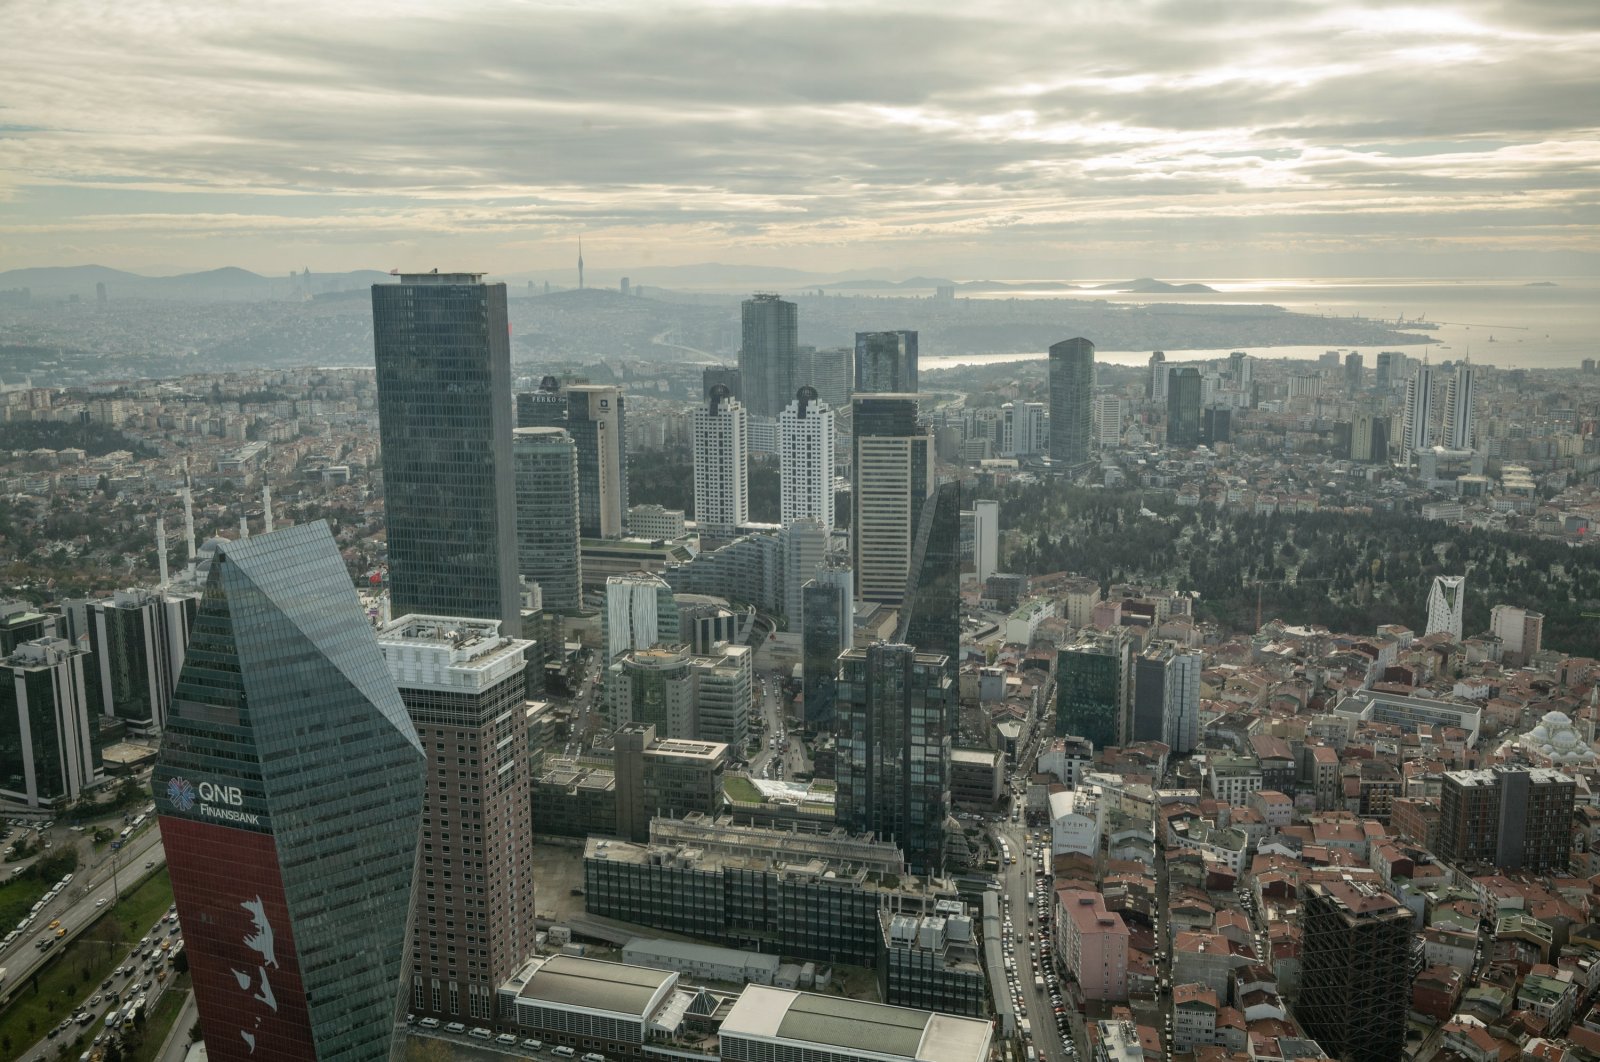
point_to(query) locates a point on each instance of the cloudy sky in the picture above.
(998, 138)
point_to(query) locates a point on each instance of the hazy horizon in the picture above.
(1027, 139)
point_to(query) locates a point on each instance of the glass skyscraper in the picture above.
(930, 618)
(290, 791)
(886, 362)
(546, 463)
(1183, 407)
(893, 772)
(444, 419)
(893, 463)
(593, 415)
(768, 350)
(827, 620)
(1091, 685)
(1071, 400)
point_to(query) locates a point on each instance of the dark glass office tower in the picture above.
(1355, 971)
(1183, 407)
(1071, 400)
(546, 463)
(593, 415)
(886, 362)
(290, 791)
(444, 419)
(137, 638)
(48, 752)
(1090, 690)
(893, 772)
(768, 351)
(826, 614)
(930, 618)
(726, 375)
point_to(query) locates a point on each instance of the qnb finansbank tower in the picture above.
(290, 787)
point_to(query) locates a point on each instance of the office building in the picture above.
(137, 639)
(444, 373)
(930, 615)
(932, 961)
(721, 465)
(831, 375)
(886, 363)
(1093, 944)
(1355, 971)
(473, 911)
(1108, 414)
(893, 773)
(656, 523)
(21, 622)
(290, 790)
(596, 422)
(640, 613)
(1369, 438)
(576, 1006)
(548, 541)
(776, 1023)
(1460, 393)
(893, 462)
(768, 353)
(1024, 429)
(985, 538)
(1521, 633)
(1156, 386)
(1091, 689)
(682, 695)
(1166, 697)
(1183, 408)
(1516, 818)
(806, 433)
(1416, 431)
(1353, 374)
(1071, 400)
(804, 549)
(1240, 371)
(827, 629)
(48, 754)
(726, 375)
(1447, 603)
(1388, 368)
(664, 776)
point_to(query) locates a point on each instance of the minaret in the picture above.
(266, 508)
(188, 519)
(161, 549)
(580, 263)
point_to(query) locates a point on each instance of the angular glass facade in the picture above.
(893, 773)
(931, 615)
(1089, 685)
(821, 642)
(1183, 407)
(290, 791)
(548, 553)
(444, 376)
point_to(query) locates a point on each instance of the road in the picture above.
(76, 904)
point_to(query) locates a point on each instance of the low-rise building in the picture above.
(769, 1024)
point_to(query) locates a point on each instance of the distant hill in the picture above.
(1150, 286)
(229, 284)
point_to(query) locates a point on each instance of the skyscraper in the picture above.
(1460, 391)
(1239, 369)
(827, 629)
(893, 462)
(640, 612)
(1447, 602)
(721, 465)
(444, 373)
(893, 772)
(1385, 371)
(1353, 374)
(1108, 420)
(1183, 408)
(290, 790)
(48, 754)
(806, 436)
(832, 371)
(1156, 387)
(1417, 424)
(985, 538)
(1071, 400)
(597, 426)
(886, 362)
(472, 916)
(1355, 971)
(548, 553)
(1166, 697)
(1092, 689)
(930, 617)
(726, 375)
(137, 638)
(767, 353)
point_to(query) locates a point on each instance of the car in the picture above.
(101, 902)
(149, 863)
(455, 1027)
(55, 923)
(429, 1023)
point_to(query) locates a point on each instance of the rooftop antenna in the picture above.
(161, 549)
(266, 508)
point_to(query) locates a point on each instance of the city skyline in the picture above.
(1324, 131)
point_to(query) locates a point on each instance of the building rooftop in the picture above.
(573, 981)
(866, 1030)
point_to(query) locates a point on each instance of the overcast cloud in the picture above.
(998, 138)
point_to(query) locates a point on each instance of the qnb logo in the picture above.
(180, 793)
(221, 794)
